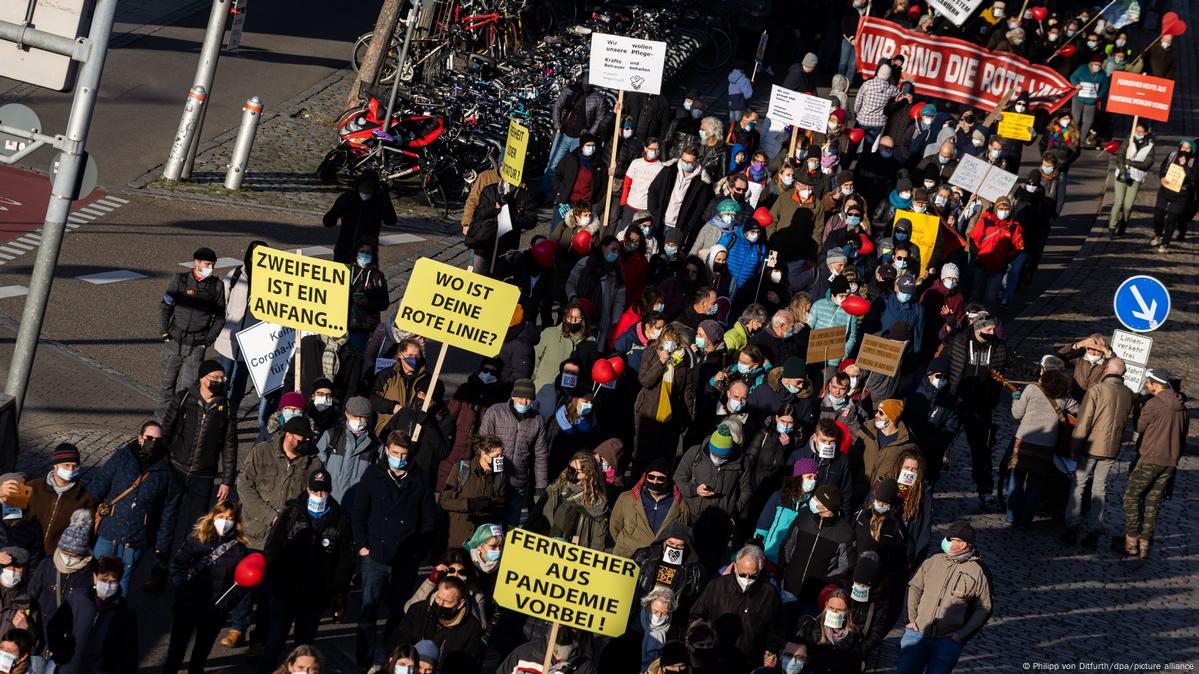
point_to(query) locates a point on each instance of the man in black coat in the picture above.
(480, 235)
(672, 562)
(446, 619)
(973, 354)
(190, 318)
(361, 212)
(582, 175)
(743, 607)
(685, 211)
(819, 548)
(394, 516)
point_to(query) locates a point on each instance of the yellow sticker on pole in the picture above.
(924, 235)
(565, 583)
(457, 307)
(300, 292)
(1016, 126)
(513, 167)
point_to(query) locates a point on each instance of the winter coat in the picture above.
(629, 524)
(740, 90)
(826, 314)
(933, 300)
(695, 199)
(682, 395)
(48, 588)
(884, 314)
(19, 599)
(361, 221)
(268, 481)
(879, 461)
(970, 366)
(86, 638)
(154, 500)
(200, 434)
(199, 580)
(473, 496)
(393, 518)
(1163, 428)
(460, 644)
(192, 311)
(1176, 203)
(730, 481)
(556, 346)
(775, 521)
(1101, 419)
(1134, 162)
(346, 456)
(526, 449)
(829, 658)
(817, 551)
(394, 387)
(471, 399)
(995, 242)
(485, 224)
(746, 619)
(1038, 421)
(574, 522)
(711, 233)
(485, 179)
(313, 553)
(566, 175)
(370, 285)
(745, 258)
(596, 110)
(687, 580)
(796, 224)
(516, 354)
(53, 510)
(594, 279)
(1092, 86)
(947, 596)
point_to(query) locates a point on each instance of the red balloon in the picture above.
(1039, 13)
(855, 135)
(1111, 146)
(249, 570)
(854, 305)
(866, 246)
(581, 242)
(762, 215)
(1172, 25)
(617, 365)
(1068, 50)
(602, 372)
(543, 252)
(915, 110)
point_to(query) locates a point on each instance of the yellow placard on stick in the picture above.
(565, 583)
(1175, 175)
(826, 344)
(1016, 126)
(300, 292)
(457, 307)
(924, 234)
(880, 355)
(513, 166)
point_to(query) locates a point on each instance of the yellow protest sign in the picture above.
(300, 292)
(1175, 175)
(457, 307)
(924, 234)
(1016, 126)
(513, 166)
(565, 583)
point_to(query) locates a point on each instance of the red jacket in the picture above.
(996, 241)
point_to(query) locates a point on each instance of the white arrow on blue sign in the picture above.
(1142, 303)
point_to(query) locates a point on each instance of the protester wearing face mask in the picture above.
(68, 568)
(782, 507)
(16, 602)
(191, 315)
(1092, 83)
(825, 445)
(833, 636)
(395, 387)
(974, 353)
(359, 214)
(445, 631)
(931, 415)
(827, 313)
(582, 175)
(1064, 140)
(679, 194)
(745, 595)
(476, 492)
(56, 497)
(570, 339)
(996, 241)
(348, 448)
(640, 174)
(943, 305)
(1088, 356)
(714, 476)
(526, 452)
(1173, 209)
(94, 628)
(746, 253)
(1162, 58)
(576, 504)
(949, 600)
(837, 403)
(579, 110)
(202, 570)
(818, 549)
(653, 624)
(882, 443)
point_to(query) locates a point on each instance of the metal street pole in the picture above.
(187, 129)
(71, 164)
(395, 86)
(250, 114)
(210, 51)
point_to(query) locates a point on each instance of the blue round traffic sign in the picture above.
(1142, 303)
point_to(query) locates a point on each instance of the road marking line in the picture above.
(116, 199)
(86, 210)
(114, 276)
(73, 225)
(83, 216)
(315, 251)
(13, 251)
(397, 239)
(13, 291)
(101, 207)
(7, 257)
(17, 243)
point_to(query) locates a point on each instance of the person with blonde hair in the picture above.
(304, 659)
(834, 639)
(201, 574)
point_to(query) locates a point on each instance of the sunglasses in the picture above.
(655, 480)
(749, 576)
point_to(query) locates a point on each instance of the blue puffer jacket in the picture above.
(155, 499)
(745, 258)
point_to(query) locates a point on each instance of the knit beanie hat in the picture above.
(712, 330)
(721, 442)
(805, 466)
(292, 399)
(76, 539)
(892, 408)
(928, 110)
(728, 206)
(64, 453)
(484, 533)
(865, 571)
(829, 496)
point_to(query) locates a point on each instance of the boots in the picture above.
(1130, 546)
(1143, 552)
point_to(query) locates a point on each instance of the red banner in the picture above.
(1131, 94)
(956, 70)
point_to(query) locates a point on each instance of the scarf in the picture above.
(651, 642)
(481, 562)
(583, 425)
(54, 485)
(898, 202)
(963, 556)
(835, 635)
(665, 412)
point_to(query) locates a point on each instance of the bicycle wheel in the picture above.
(716, 52)
(387, 70)
(431, 185)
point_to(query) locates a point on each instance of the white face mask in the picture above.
(10, 577)
(356, 426)
(853, 383)
(105, 589)
(404, 669)
(317, 504)
(204, 272)
(1090, 358)
(7, 662)
(66, 475)
(950, 283)
(880, 424)
(860, 593)
(672, 555)
(322, 402)
(825, 450)
(658, 620)
(744, 583)
(906, 477)
(834, 620)
(223, 525)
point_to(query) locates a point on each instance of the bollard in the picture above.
(250, 114)
(183, 137)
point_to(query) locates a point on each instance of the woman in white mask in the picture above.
(202, 572)
(913, 505)
(834, 639)
(654, 623)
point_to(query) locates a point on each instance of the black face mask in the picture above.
(572, 477)
(441, 612)
(572, 327)
(216, 388)
(149, 449)
(659, 487)
(987, 337)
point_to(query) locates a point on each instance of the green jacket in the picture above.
(574, 522)
(554, 348)
(268, 480)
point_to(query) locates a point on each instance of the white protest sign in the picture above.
(1134, 350)
(977, 176)
(267, 349)
(792, 108)
(957, 11)
(627, 63)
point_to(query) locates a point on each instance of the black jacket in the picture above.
(580, 661)
(817, 551)
(516, 354)
(970, 378)
(651, 116)
(686, 580)
(48, 587)
(360, 221)
(567, 172)
(481, 235)
(198, 435)
(747, 620)
(829, 658)
(461, 645)
(699, 192)
(390, 515)
(316, 554)
(199, 579)
(192, 311)
(88, 639)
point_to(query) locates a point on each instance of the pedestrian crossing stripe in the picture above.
(114, 276)
(81, 216)
(13, 291)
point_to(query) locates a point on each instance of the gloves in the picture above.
(478, 503)
(563, 209)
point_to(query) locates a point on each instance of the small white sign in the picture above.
(791, 108)
(957, 11)
(1131, 347)
(1134, 377)
(975, 175)
(627, 63)
(267, 349)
